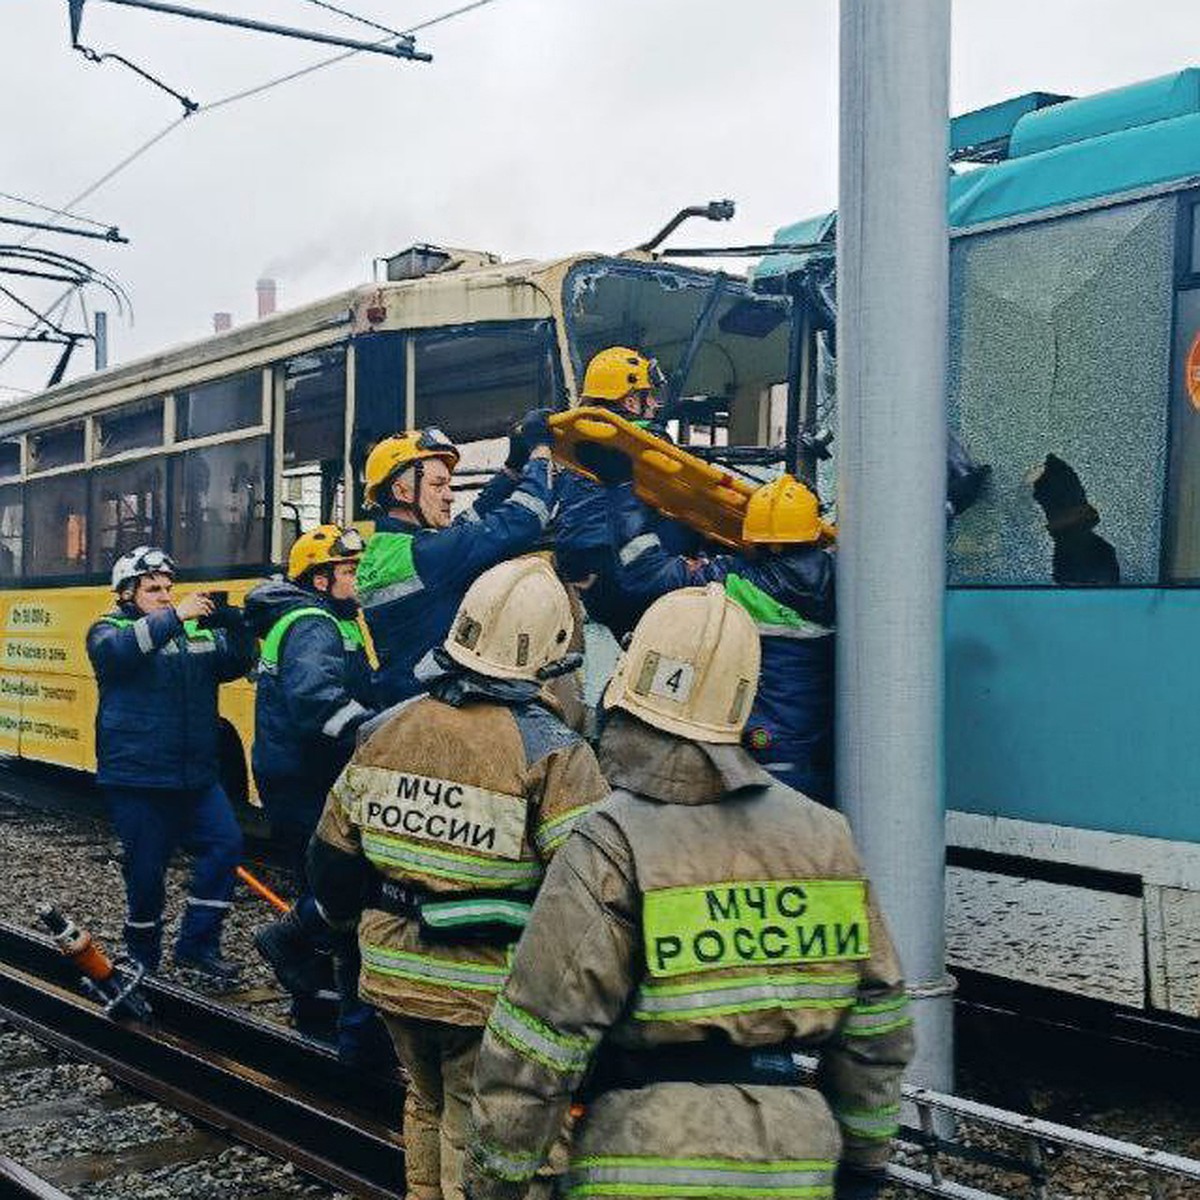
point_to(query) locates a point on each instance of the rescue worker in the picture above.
(314, 691)
(785, 581)
(697, 928)
(439, 829)
(158, 665)
(420, 561)
(627, 383)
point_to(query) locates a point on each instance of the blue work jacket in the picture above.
(156, 725)
(314, 689)
(411, 579)
(790, 595)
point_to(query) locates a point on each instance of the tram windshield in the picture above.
(737, 342)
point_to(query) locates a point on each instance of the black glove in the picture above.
(224, 616)
(858, 1183)
(531, 431)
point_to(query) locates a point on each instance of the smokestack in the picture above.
(266, 297)
(222, 322)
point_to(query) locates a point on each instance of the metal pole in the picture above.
(101, 343)
(892, 262)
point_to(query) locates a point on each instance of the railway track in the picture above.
(244, 1081)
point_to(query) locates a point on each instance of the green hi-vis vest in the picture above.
(352, 638)
(768, 614)
(191, 627)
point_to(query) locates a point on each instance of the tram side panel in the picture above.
(1071, 681)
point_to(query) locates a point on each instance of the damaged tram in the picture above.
(1073, 602)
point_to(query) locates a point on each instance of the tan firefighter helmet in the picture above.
(691, 667)
(514, 622)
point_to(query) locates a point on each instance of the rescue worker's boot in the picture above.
(291, 948)
(362, 1038)
(143, 942)
(198, 947)
(210, 963)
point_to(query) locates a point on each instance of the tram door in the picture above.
(310, 397)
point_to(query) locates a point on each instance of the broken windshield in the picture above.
(737, 342)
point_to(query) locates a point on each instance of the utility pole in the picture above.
(892, 272)
(100, 343)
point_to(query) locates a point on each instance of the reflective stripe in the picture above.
(636, 547)
(209, 903)
(465, 868)
(806, 630)
(352, 638)
(878, 1124)
(144, 924)
(448, 914)
(141, 631)
(534, 504)
(563, 1053)
(393, 591)
(634, 1175)
(344, 715)
(424, 968)
(874, 1020)
(501, 1164)
(680, 1002)
(551, 834)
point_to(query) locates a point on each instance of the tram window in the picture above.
(218, 505)
(58, 447)
(1059, 340)
(220, 406)
(475, 383)
(57, 529)
(127, 509)
(314, 428)
(10, 458)
(132, 427)
(11, 532)
(1194, 258)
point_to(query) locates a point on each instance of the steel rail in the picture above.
(16, 1180)
(266, 1087)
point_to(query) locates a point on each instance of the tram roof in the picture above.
(1043, 154)
(494, 291)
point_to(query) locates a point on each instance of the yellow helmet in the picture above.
(321, 546)
(514, 621)
(393, 454)
(784, 511)
(691, 667)
(614, 373)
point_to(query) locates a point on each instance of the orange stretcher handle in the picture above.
(260, 888)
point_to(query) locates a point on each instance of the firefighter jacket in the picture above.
(791, 597)
(439, 829)
(703, 914)
(157, 722)
(411, 579)
(314, 690)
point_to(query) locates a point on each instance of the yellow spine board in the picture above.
(666, 477)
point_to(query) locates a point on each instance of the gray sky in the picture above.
(542, 127)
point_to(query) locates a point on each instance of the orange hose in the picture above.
(261, 889)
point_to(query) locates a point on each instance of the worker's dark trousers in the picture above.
(152, 823)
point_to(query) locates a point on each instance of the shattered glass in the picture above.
(1059, 361)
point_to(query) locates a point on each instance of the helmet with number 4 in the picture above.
(691, 667)
(141, 560)
(514, 622)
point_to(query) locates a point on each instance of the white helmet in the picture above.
(691, 667)
(141, 560)
(514, 622)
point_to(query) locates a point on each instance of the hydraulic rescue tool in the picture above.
(116, 991)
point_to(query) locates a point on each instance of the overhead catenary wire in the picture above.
(342, 12)
(46, 208)
(212, 106)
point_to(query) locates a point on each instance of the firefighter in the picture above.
(699, 927)
(420, 561)
(785, 581)
(627, 383)
(439, 830)
(314, 691)
(158, 666)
